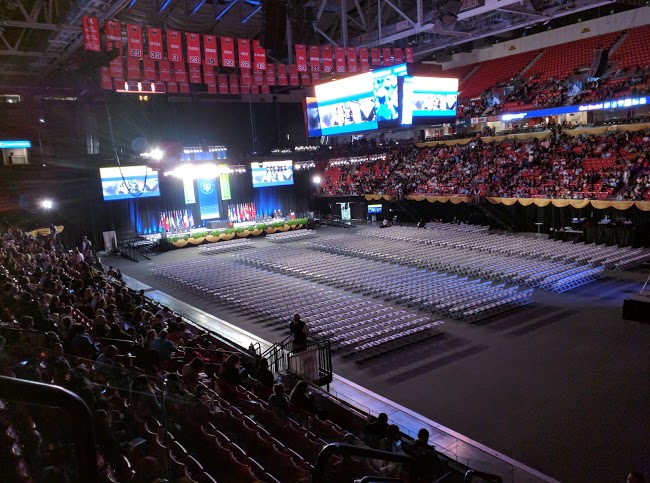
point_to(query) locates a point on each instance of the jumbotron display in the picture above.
(429, 100)
(272, 173)
(123, 183)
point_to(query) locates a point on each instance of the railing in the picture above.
(283, 359)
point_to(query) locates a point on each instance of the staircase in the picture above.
(313, 364)
(530, 64)
(134, 246)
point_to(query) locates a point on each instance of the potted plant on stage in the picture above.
(256, 230)
(198, 237)
(213, 236)
(301, 222)
(270, 228)
(292, 224)
(179, 242)
(242, 232)
(228, 234)
(281, 226)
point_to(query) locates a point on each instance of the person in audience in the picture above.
(427, 466)
(375, 431)
(278, 402)
(163, 346)
(635, 477)
(263, 374)
(301, 398)
(192, 370)
(147, 470)
(230, 370)
(299, 332)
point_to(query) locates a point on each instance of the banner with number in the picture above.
(259, 55)
(270, 75)
(164, 71)
(234, 83)
(195, 74)
(301, 57)
(293, 75)
(340, 59)
(154, 43)
(375, 56)
(386, 56)
(208, 198)
(364, 66)
(179, 72)
(91, 34)
(105, 78)
(210, 50)
(327, 58)
(282, 74)
(314, 58)
(244, 50)
(193, 43)
(149, 69)
(397, 53)
(174, 46)
(408, 53)
(227, 52)
(223, 83)
(132, 68)
(113, 36)
(352, 59)
(133, 40)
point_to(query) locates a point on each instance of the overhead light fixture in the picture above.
(316, 179)
(47, 204)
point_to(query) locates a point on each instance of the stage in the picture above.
(210, 225)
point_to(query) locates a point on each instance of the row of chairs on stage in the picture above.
(225, 246)
(274, 299)
(289, 236)
(556, 276)
(425, 290)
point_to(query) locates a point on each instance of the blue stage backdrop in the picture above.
(208, 198)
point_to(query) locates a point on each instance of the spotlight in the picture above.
(156, 154)
(316, 179)
(41, 120)
(46, 204)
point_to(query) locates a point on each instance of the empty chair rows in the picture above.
(289, 236)
(225, 246)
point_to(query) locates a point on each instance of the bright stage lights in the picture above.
(316, 179)
(156, 154)
(207, 170)
(47, 204)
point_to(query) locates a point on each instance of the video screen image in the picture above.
(313, 119)
(272, 173)
(347, 105)
(429, 100)
(386, 91)
(129, 182)
(374, 209)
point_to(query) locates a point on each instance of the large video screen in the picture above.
(386, 92)
(347, 105)
(429, 100)
(123, 183)
(272, 173)
(312, 117)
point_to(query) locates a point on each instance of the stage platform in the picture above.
(212, 225)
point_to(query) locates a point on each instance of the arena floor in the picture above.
(562, 385)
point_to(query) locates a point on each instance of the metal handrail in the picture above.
(54, 396)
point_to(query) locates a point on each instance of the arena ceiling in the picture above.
(41, 40)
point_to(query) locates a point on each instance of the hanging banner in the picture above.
(314, 58)
(164, 71)
(375, 57)
(154, 43)
(293, 75)
(159, 87)
(305, 79)
(117, 68)
(227, 52)
(397, 53)
(258, 77)
(223, 83)
(245, 78)
(224, 181)
(132, 68)
(188, 191)
(244, 89)
(91, 34)
(364, 65)
(327, 58)
(183, 88)
(149, 69)
(282, 74)
(172, 88)
(113, 36)
(315, 77)
(340, 59)
(179, 72)
(193, 44)
(244, 49)
(255, 89)
(352, 59)
(174, 46)
(265, 89)
(270, 75)
(208, 198)
(386, 56)
(259, 55)
(208, 75)
(105, 78)
(212, 88)
(234, 83)
(301, 57)
(408, 53)
(195, 74)
(210, 50)
(134, 40)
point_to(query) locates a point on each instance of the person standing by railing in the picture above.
(299, 332)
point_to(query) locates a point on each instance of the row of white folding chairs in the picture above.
(430, 326)
(225, 246)
(289, 236)
(491, 309)
(574, 280)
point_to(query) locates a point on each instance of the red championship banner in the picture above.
(364, 66)
(210, 50)
(374, 56)
(160, 87)
(149, 69)
(301, 57)
(352, 59)
(314, 58)
(195, 74)
(154, 43)
(327, 58)
(408, 54)
(244, 89)
(305, 80)
(293, 75)
(386, 56)
(223, 83)
(164, 71)
(105, 78)
(397, 53)
(339, 54)
(245, 78)
(179, 72)
(91, 33)
(258, 77)
(259, 56)
(208, 75)
(255, 89)
(113, 35)
(132, 68)
(282, 74)
(228, 53)
(174, 46)
(117, 68)
(172, 88)
(234, 83)
(212, 88)
(315, 77)
(183, 88)
(265, 90)
(133, 40)
(270, 75)
(193, 44)
(244, 50)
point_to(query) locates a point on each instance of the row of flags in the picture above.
(176, 220)
(241, 212)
